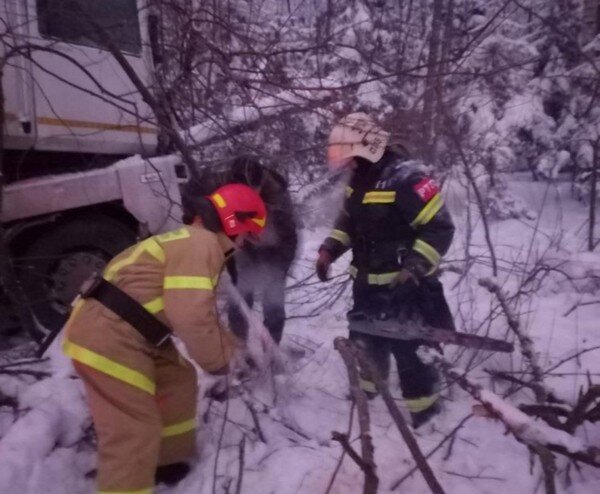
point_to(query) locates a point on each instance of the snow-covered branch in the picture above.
(525, 428)
(526, 343)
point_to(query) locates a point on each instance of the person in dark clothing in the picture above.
(259, 269)
(395, 222)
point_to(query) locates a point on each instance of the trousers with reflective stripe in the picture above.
(138, 430)
(142, 399)
(419, 382)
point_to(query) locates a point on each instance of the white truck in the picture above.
(70, 200)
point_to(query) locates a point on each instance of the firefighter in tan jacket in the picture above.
(143, 397)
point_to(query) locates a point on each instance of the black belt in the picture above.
(127, 308)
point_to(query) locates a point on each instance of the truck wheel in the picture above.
(55, 264)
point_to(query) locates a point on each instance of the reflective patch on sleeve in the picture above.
(174, 235)
(349, 191)
(179, 428)
(379, 197)
(149, 245)
(340, 236)
(154, 249)
(189, 282)
(428, 252)
(426, 189)
(113, 269)
(429, 211)
(416, 405)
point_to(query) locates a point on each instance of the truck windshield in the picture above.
(67, 20)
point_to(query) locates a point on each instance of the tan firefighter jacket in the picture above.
(174, 276)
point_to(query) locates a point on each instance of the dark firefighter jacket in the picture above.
(393, 215)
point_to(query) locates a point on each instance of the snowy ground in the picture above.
(46, 443)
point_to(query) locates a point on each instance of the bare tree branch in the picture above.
(405, 432)
(367, 463)
(527, 347)
(341, 459)
(242, 449)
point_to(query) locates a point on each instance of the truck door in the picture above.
(84, 102)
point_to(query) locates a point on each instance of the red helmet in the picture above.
(240, 209)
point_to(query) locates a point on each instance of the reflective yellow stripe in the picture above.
(429, 211)
(107, 366)
(368, 386)
(349, 191)
(428, 252)
(149, 245)
(379, 197)
(155, 306)
(139, 491)
(180, 428)
(218, 198)
(381, 278)
(375, 278)
(415, 405)
(112, 270)
(154, 249)
(340, 236)
(174, 235)
(193, 282)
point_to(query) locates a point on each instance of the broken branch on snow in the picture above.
(526, 343)
(523, 427)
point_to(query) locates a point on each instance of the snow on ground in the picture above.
(48, 447)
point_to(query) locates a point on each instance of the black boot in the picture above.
(171, 474)
(419, 418)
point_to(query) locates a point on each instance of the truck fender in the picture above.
(150, 191)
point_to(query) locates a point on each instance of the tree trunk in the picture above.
(443, 67)
(593, 198)
(429, 96)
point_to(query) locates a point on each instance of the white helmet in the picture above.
(355, 135)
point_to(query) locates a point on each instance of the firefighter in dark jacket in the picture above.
(395, 222)
(259, 268)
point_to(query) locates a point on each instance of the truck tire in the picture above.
(53, 266)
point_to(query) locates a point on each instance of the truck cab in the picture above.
(68, 94)
(73, 119)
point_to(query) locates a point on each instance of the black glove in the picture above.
(323, 263)
(416, 265)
